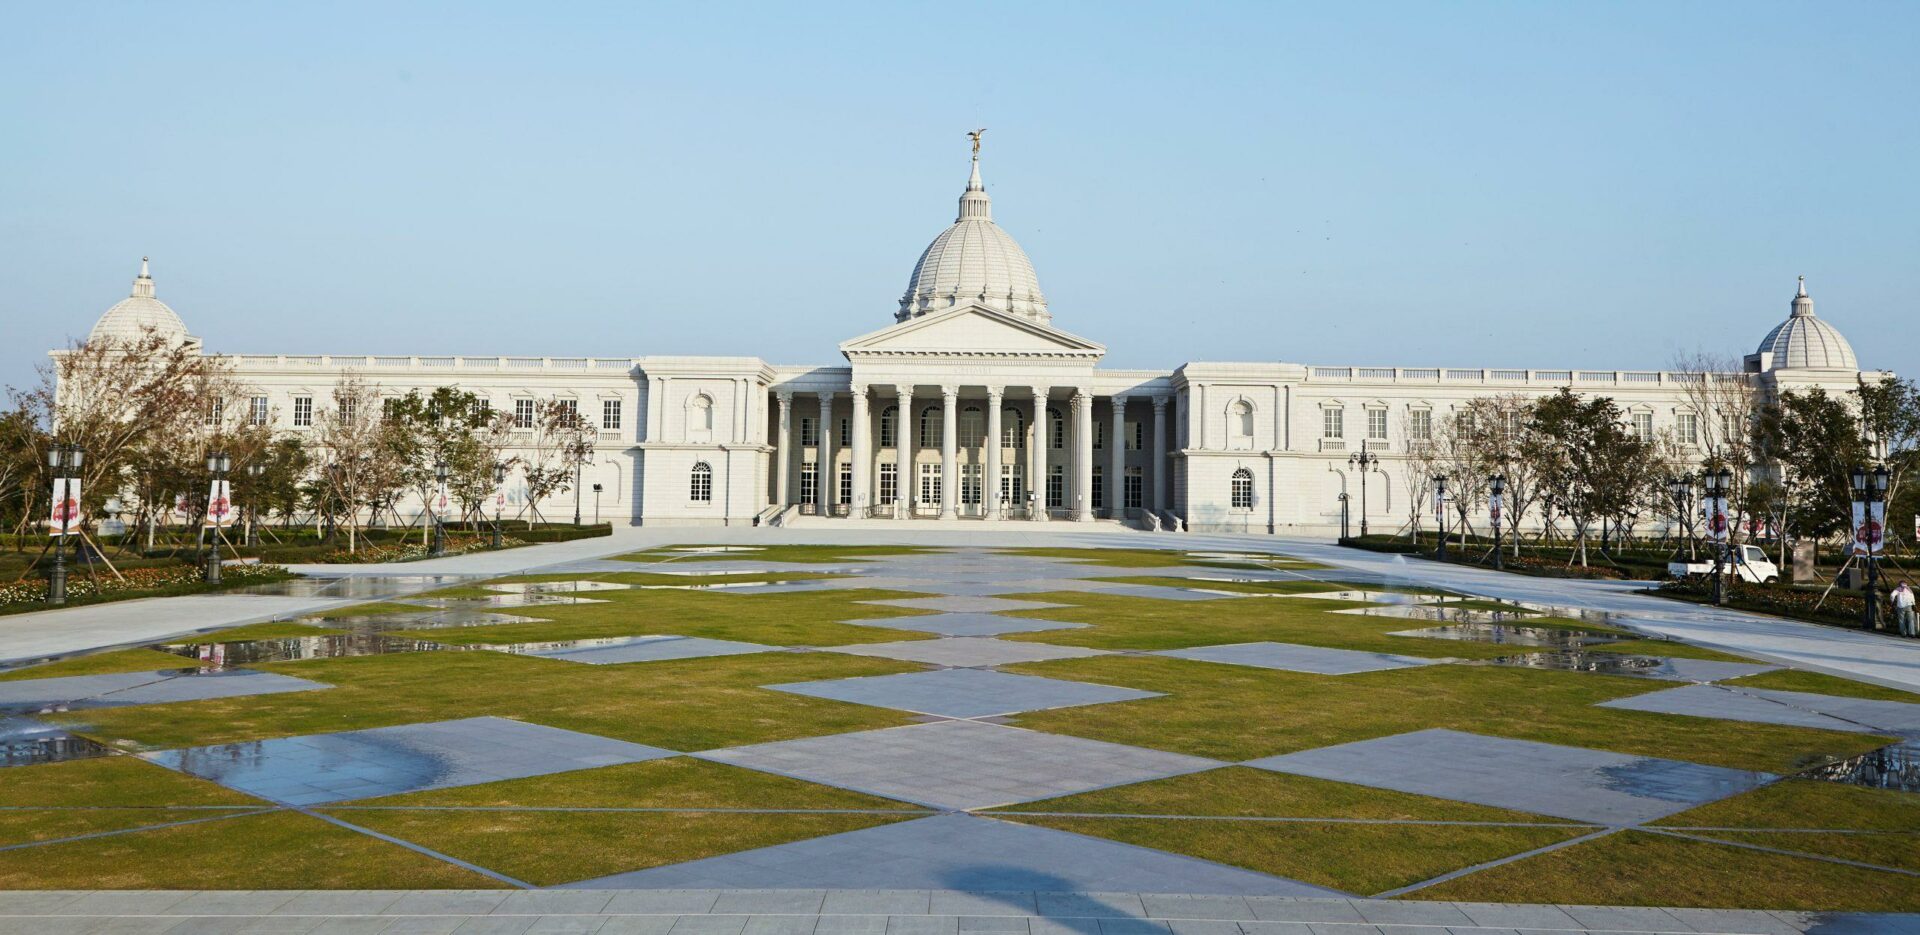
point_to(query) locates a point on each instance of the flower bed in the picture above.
(134, 582)
(411, 550)
(1840, 609)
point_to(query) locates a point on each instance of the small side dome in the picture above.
(132, 317)
(1804, 342)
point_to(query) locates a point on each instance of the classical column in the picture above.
(825, 478)
(990, 485)
(784, 453)
(862, 454)
(903, 480)
(1037, 473)
(949, 451)
(1117, 461)
(1197, 414)
(1159, 454)
(1083, 455)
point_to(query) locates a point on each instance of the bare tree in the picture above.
(358, 465)
(561, 442)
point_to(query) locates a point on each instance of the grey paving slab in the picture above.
(622, 649)
(963, 852)
(964, 605)
(1293, 657)
(967, 651)
(1547, 779)
(967, 624)
(1768, 706)
(963, 693)
(143, 688)
(1306, 909)
(1090, 904)
(1517, 916)
(322, 768)
(961, 764)
(1187, 906)
(1163, 593)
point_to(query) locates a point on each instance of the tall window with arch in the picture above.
(1240, 424)
(973, 429)
(1013, 429)
(1057, 429)
(889, 426)
(929, 428)
(1243, 489)
(701, 485)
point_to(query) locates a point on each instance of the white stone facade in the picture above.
(973, 356)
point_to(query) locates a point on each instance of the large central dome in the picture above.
(974, 262)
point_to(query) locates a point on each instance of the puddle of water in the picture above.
(1439, 612)
(1896, 767)
(1515, 635)
(1600, 663)
(293, 649)
(26, 742)
(355, 586)
(555, 587)
(720, 585)
(417, 620)
(1365, 596)
(500, 600)
(716, 548)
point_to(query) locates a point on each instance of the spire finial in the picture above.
(143, 269)
(1803, 285)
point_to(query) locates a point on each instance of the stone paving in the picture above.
(1546, 779)
(1292, 657)
(142, 688)
(322, 768)
(966, 624)
(963, 605)
(959, 852)
(1766, 706)
(960, 764)
(867, 911)
(967, 651)
(964, 693)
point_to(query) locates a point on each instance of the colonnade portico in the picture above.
(961, 451)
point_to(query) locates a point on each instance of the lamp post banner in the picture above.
(1439, 506)
(1493, 507)
(440, 500)
(1869, 528)
(220, 505)
(1717, 519)
(64, 516)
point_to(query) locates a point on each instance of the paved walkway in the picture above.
(865, 912)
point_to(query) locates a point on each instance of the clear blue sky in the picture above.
(1526, 184)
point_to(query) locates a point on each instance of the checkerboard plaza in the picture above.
(973, 405)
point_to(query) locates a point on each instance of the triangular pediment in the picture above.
(972, 331)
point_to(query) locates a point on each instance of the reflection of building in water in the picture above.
(1896, 767)
(972, 404)
(215, 656)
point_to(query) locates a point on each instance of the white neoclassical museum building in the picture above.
(971, 404)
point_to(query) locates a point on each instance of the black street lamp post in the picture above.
(499, 494)
(1718, 484)
(1870, 487)
(1682, 490)
(1440, 511)
(1499, 485)
(65, 460)
(433, 508)
(217, 466)
(1364, 460)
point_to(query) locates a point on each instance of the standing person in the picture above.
(1903, 608)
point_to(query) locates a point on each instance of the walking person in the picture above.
(1903, 608)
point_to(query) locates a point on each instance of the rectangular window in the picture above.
(302, 412)
(888, 420)
(1099, 489)
(1643, 426)
(970, 486)
(808, 436)
(610, 414)
(1133, 436)
(1420, 424)
(1730, 426)
(569, 411)
(930, 483)
(1377, 424)
(257, 411)
(845, 487)
(1333, 423)
(846, 433)
(1056, 486)
(523, 413)
(1099, 435)
(809, 482)
(1058, 427)
(1132, 490)
(1689, 426)
(1013, 484)
(1511, 422)
(215, 411)
(348, 410)
(889, 484)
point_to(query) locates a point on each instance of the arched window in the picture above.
(1013, 429)
(1240, 424)
(1057, 427)
(1243, 489)
(701, 487)
(700, 413)
(973, 428)
(929, 428)
(889, 422)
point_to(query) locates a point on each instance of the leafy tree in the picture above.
(1812, 441)
(1588, 462)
